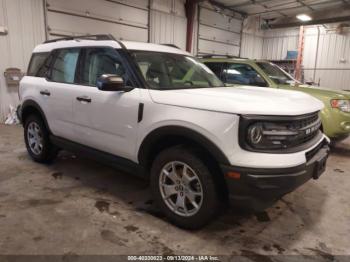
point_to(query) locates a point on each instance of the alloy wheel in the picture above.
(181, 188)
(35, 138)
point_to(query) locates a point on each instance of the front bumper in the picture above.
(258, 188)
(336, 124)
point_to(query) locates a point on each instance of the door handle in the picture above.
(84, 99)
(45, 92)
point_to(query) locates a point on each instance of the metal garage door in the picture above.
(218, 33)
(125, 20)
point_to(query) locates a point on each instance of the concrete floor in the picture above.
(78, 206)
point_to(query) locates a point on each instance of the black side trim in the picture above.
(32, 104)
(156, 135)
(140, 113)
(119, 163)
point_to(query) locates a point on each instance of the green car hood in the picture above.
(319, 92)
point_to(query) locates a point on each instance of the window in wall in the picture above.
(242, 74)
(64, 67)
(100, 61)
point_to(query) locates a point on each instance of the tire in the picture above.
(36, 137)
(201, 189)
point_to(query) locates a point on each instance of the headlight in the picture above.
(255, 134)
(341, 104)
(263, 135)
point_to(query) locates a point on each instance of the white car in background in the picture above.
(156, 111)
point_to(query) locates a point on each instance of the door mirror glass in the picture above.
(108, 82)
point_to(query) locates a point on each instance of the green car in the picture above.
(238, 71)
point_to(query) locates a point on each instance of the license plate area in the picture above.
(320, 167)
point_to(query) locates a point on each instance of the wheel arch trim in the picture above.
(32, 104)
(179, 131)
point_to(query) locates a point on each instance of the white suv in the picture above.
(156, 111)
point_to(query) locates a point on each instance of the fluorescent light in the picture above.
(304, 17)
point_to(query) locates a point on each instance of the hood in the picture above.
(240, 100)
(319, 92)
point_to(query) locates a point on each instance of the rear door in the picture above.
(61, 81)
(34, 86)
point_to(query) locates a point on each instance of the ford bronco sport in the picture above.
(156, 111)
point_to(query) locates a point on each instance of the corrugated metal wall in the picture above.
(252, 46)
(123, 19)
(25, 23)
(126, 20)
(218, 33)
(277, 42)
(252, 39)
(168, 22)
(326, 57)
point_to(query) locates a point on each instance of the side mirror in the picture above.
(112, 83)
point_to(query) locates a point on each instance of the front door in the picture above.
(105, 120)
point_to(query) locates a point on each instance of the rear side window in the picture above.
(64, 66)
(36, 63)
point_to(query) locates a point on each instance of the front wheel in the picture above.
(184, 188)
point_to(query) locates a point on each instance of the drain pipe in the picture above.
(190, 7)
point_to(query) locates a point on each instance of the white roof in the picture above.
(109, 43)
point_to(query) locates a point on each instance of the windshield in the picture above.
(278, 75)
(172, 71)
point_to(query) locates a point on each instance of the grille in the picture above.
(307, 129)
(291, 133)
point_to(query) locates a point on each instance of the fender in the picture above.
(162, 132)
(27, 105)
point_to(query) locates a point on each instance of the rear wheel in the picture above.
(37, 140)
(183, 188)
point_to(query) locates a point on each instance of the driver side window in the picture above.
(100, 61)
(242, 74)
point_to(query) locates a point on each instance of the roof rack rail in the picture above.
(214, 55)
(172, 45)
(100, 37)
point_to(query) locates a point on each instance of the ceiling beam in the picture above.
(318, 17)
(222, 6)
(306, 5)
(291, 8)
(266, 7)
(251, 2)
